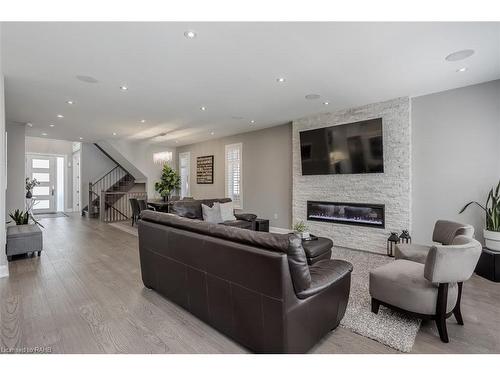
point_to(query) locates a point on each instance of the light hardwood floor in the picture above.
(85, 295)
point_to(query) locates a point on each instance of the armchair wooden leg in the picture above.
(442, 301)
(456, 311)
(375, 306)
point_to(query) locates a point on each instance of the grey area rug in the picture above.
(388, 327)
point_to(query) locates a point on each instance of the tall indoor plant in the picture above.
(492, 210)
(169, 181)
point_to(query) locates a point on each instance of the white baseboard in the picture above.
(279, 230)
(4, 271)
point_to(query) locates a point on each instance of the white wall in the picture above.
(15, 198)
(47, 146)
(140, 154)
(266, 167)
(93, 165)
(456, 155)
(4, 269)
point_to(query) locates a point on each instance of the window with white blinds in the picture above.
(234, 174)
(185, 172)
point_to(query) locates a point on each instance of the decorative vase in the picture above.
(29, 195)
(492, 240)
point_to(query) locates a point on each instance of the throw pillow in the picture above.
(212, 214)
(227, 211)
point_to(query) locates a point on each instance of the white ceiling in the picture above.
(230, 68)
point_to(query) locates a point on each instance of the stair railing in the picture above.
(115, 206)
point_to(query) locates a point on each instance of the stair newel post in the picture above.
(89, 206)
(102, 205)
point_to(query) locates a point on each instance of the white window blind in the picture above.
(185, 171)
(234, 174)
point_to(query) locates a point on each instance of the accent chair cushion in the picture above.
(212, 214)
(402, 284)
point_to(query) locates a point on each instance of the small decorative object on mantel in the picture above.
(301, 229)
(392, 241)
(405, 237)
(30, 184)
(205, 169)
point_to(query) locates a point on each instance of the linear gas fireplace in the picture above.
(372, 215)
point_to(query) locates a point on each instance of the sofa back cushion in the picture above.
(289, 244)
(191, 209)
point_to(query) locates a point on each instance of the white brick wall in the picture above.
(392, 188)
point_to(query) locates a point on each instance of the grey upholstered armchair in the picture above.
(428, 291)
(444, 233)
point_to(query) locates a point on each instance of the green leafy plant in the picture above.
(491, 208)
(170, 181)
(300, 227)
(22, 217)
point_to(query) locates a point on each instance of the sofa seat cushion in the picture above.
(413, 252)
(325, 273)
(402, 284)
(238, 224)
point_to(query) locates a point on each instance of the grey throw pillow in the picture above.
(212, 214)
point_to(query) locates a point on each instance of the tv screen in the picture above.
(343, 149)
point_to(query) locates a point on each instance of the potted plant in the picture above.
(301, 229)
(22, 217)
(169, 181)
(492, 210)
(30, 184)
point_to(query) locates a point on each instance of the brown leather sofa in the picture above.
(255, 287)
(191, 209)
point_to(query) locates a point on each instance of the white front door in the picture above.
(43, 169)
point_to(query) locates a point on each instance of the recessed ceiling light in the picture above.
(80, 138)
(60, 116)
(114, 133)
(461, 70)
(29, 124)
(176, 141)
(44, 134)
(459, 55)
(212, 133)
(51, 125)
(70, 102)
(252, 121)
(280, 80)
(143, 121)
(326, 103)
(190, 34)
(86, 79)
(203, 108)
(123, 88)
(312, 96)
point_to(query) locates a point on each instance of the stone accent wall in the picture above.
(392, 188)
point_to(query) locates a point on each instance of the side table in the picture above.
(489, 265)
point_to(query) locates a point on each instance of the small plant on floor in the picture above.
(30, 184)
(170, 181)
(301, 229)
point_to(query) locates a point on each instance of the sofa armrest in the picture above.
(324, 274)
(246, 217)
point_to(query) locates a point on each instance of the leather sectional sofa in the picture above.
(255, 287)
(191, 209)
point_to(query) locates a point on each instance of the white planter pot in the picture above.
(492, 240)
(304, 234)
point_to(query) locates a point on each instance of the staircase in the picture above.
(117, 180)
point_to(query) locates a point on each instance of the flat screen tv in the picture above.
(343, 149)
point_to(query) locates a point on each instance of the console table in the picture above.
(489, 265)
